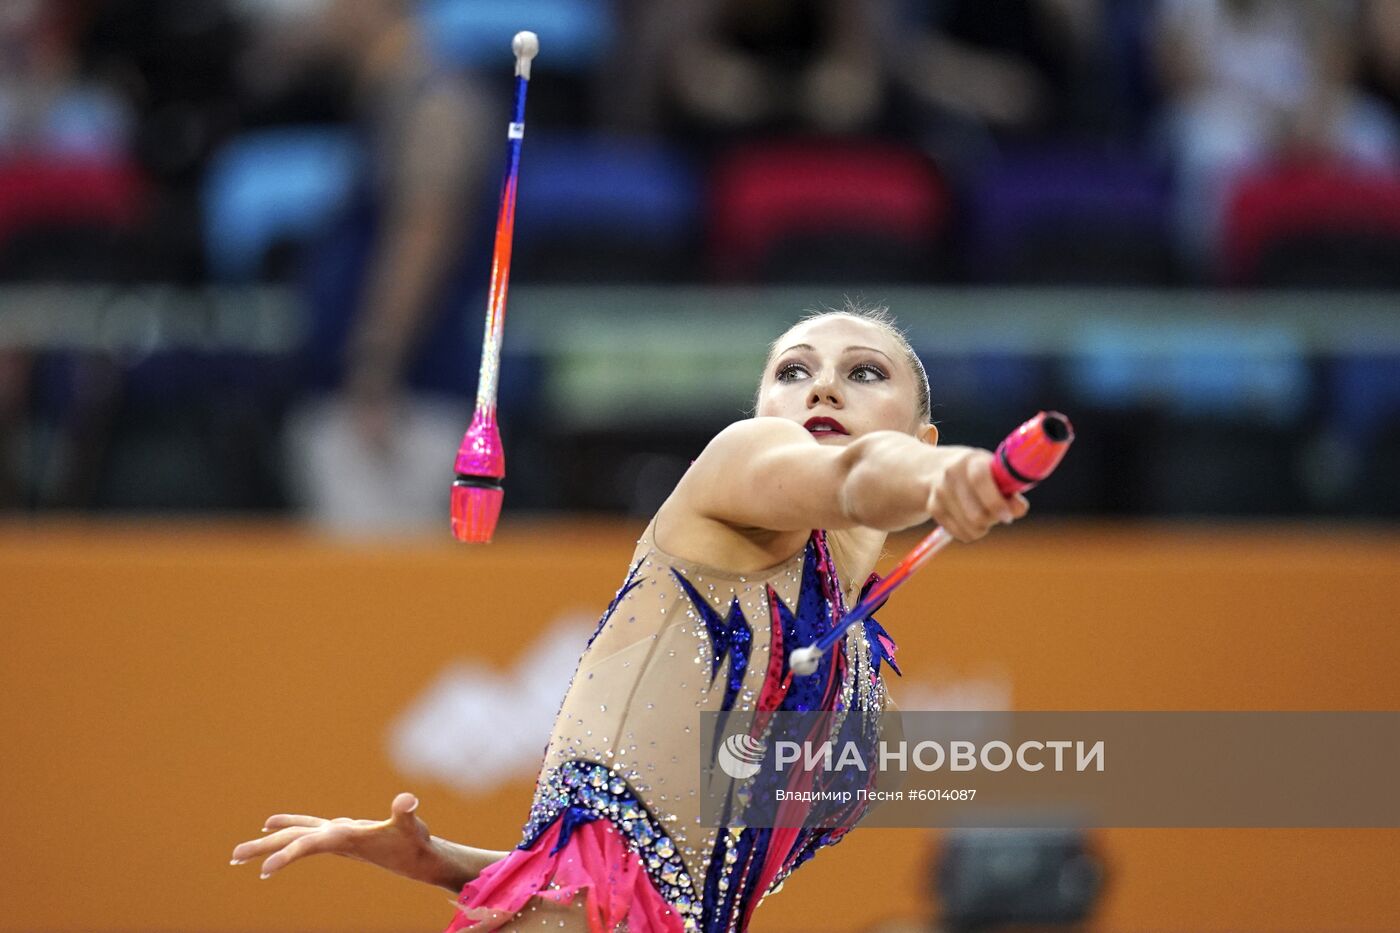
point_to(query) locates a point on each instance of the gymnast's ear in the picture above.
(928, 434)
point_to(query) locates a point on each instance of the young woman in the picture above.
(764, 543)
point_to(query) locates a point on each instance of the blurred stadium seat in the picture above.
(1361, 409)
(65, 219)
(606, 209)
(799, 210)
(1314, 224)
(1063, 216)
(474, 33)
(1223, 401)
(1363, 394)
(268, 188)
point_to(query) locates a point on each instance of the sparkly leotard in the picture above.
(615, 824)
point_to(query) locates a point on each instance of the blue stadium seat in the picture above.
(271, 187)
(605, 208)
(574, 34)
(1363, 393)
(1228, 369)
(1061, 216)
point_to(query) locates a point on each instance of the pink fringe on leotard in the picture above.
(595, 861)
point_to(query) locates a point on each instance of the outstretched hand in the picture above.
(400, 844)
(966, 501)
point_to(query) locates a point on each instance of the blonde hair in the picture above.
(880, 316)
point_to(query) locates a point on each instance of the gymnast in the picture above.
(769, 537)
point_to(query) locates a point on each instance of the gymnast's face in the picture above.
(841, 377)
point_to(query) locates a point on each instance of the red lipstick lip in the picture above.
(835, 426)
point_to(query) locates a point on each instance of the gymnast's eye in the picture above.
(867, 372)
(789, 372)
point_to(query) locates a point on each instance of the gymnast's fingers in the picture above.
(984, 486)
(945, 511)
(256, 848)
(970, 516)
(312, 843)
(282, 820)
(976, 514)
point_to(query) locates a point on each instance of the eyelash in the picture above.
(787, 368)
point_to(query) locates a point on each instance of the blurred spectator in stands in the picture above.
(47, 106)
(173, 61)
(392, 288)
(711, 70)
(983, 72)
(51, 113)
(1252, 80)
(1380, 51)
(291, 71)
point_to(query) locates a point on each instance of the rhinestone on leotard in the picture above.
(605, 794)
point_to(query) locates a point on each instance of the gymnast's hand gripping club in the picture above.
(1027, 456)
(481, 464)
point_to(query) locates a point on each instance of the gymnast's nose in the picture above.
(825, 390)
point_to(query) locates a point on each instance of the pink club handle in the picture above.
(1031, 452)
(477, 492)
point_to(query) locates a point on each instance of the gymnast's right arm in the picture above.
(771, 473)
(401, 844)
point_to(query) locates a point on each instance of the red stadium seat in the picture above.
(1314, 224)
(42, 192)
(58, 216)
(820, 209)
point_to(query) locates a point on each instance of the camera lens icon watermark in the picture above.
(740, 756)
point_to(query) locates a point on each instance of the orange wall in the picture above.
(169, 686)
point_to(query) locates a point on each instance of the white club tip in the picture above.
(804, 661)
(525, 45)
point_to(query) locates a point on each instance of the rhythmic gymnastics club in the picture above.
(481, 462)
(1023, 459)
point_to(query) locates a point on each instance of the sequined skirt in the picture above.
(592, 878)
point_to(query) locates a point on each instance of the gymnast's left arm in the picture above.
(401, 844)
